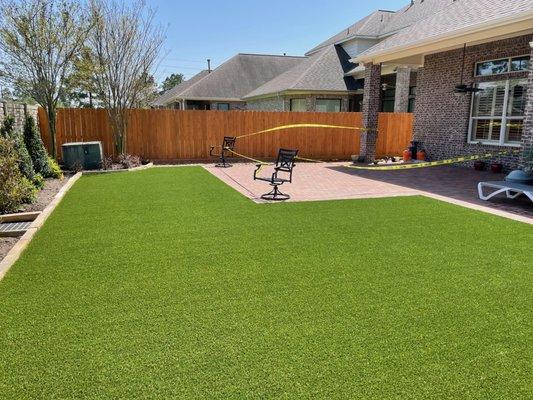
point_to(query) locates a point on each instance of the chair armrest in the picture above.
(258, 168)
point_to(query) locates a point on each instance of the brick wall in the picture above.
(527, 136)
(269, 104)
(441, 116)
(17, 110)
(284, 103)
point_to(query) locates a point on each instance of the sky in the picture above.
(219, 29)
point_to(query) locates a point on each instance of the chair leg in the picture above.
(223, 163)
(275, 195)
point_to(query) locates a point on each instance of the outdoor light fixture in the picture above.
(463, 88)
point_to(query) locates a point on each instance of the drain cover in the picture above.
(14, 228)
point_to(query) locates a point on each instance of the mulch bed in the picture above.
(44, 197)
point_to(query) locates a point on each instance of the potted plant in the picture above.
(496, 167)
(479, 165)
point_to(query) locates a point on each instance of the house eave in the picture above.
(295, 92)
(489, 31)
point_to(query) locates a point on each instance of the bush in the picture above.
(38, 181)
(7, 130)
(54, 169)
(35, 146)
(129, 161)
(15, 188)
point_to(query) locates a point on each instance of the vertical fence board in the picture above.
(188, 135)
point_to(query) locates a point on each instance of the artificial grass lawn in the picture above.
(168, 284)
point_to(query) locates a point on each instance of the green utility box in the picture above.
(88, 155)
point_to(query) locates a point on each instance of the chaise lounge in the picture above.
(511, 189)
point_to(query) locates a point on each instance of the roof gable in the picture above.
(323, 71)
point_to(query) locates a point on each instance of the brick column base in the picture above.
(371, 107)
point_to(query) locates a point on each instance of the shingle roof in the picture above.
(174, 93)
(236, 77)
(458, 16)
(371, 25)
(382, 23)
(323, 71)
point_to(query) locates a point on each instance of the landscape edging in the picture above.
(114, 171)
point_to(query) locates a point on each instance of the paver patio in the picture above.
(332, 181)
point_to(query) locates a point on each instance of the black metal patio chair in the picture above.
(282, 174)
(228, 144)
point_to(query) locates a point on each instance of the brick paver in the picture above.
(331, 181)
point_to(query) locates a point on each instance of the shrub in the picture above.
(24, 160)
(35, 146)
(129, 161)
(528, 161)
(15, 188)
(54, 169)
(38, 181)
(107, 163)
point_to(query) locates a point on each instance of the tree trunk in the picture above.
(119, 127)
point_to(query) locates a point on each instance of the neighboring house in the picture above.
(224, 87)
(486, 47)
(316, 84)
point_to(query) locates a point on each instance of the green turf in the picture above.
(166, 283)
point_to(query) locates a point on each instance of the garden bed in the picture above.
(44, 197)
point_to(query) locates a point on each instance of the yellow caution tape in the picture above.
(295, 126)
(246, 157)
(431, 163)
(308, 159)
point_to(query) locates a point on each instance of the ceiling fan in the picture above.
(462, 87)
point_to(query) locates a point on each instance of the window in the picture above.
(328, 105)
(498, 112)
(298, 105)
(388, 100)
(223, 106)
(502, 66)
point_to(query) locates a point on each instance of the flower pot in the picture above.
(406, 155)
(496, 168)
(479, 165)
(421, 155)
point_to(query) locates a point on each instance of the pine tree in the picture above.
(35, 146)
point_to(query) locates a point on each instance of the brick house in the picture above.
(318, 83)
(474, 85)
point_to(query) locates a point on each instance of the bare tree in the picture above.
(125, 46)
(39, 39)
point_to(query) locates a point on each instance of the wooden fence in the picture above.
(187, 135)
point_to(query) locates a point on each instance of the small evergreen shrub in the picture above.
(54, 169)
(15, 188)
(8, 131)
(38, 181)
(35, 147)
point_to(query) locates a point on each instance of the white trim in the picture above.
(516, 22)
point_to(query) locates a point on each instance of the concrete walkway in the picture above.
(331, 181)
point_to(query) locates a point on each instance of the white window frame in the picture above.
(509, 61)
(504, 118)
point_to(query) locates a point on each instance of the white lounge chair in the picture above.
(511, 189)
